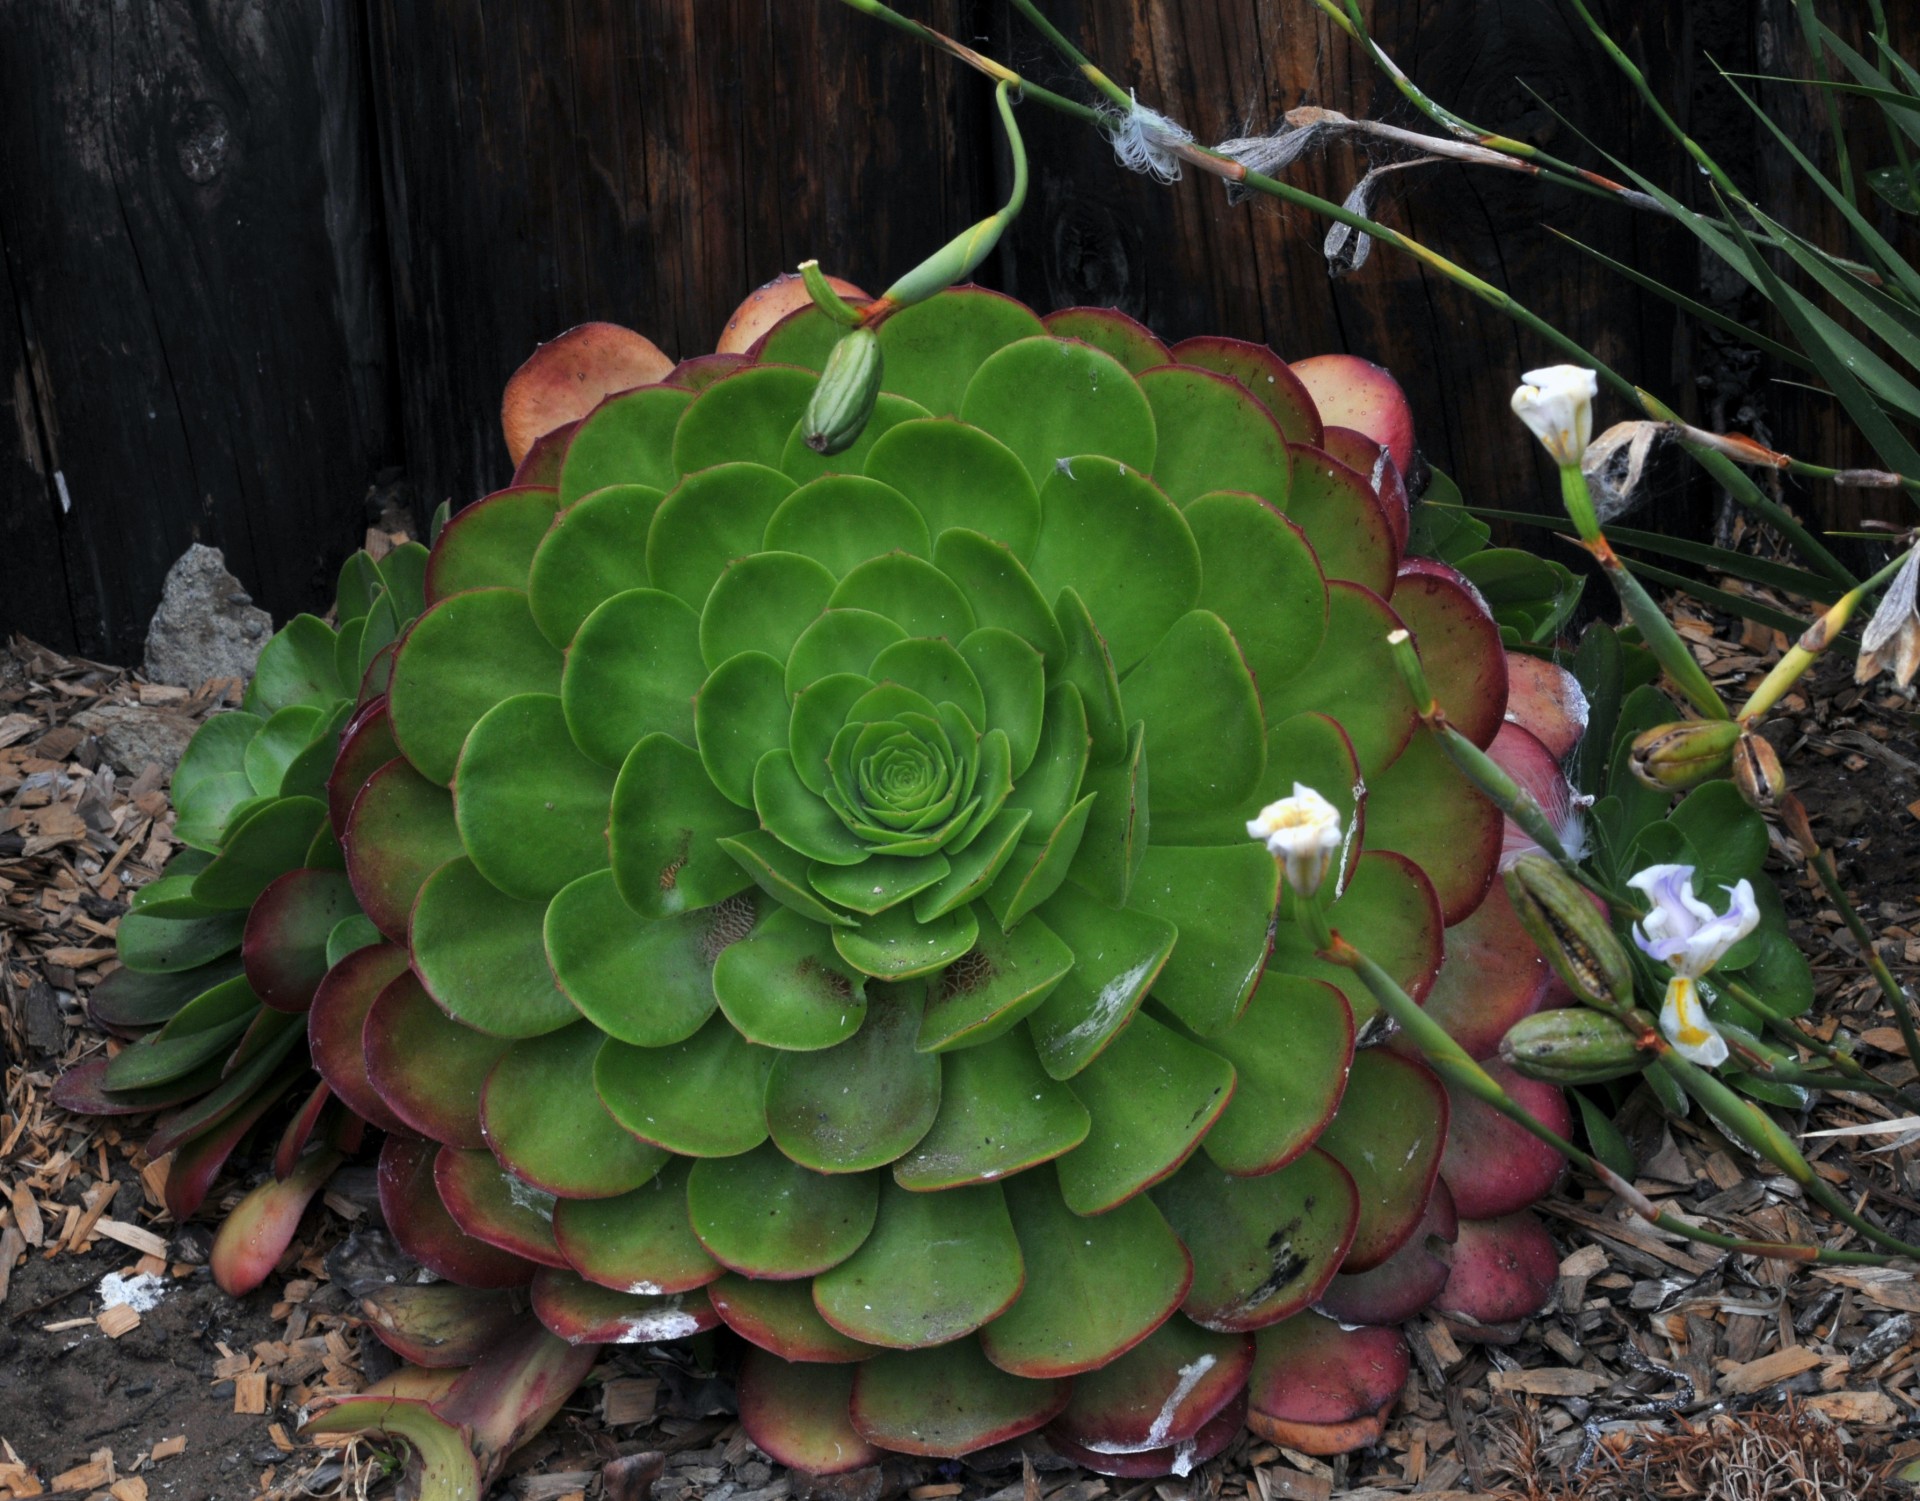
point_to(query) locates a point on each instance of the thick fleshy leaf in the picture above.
(490, 544)
(275, 748)
(1389, 1134)
(1095, 1287)
(1492, 976)
(443, 1102)
(1503, 1272)
(421, 1226)
(1214, 435)
(296, 666)
(761, 603)
(164, 946)
(1268, 377)
(595, 550)
(764, 1215)
(366, 744)
(206, 1027)
(1459, 646)
(1158, 1394)
(698, 1098)
(1423, 807)
(934, 347)
(666, 818)
(626, 440)
(482, 955)
(644, 981)
(1342, 517)
(1132, 343)
(461, 658)
(839, 645)
(1493, 1165)
(801, 463)
(864, 1102)
(584, 1313)
(1259, 575)
(532, 811)
(490, 1204)
(783, 986)
(1348, 391)
(1343, 679)
(1374, 463)
(783, 301)
(542, 1117)
(1322, 1388)
(1050, 399)
(129, 999)
(1389, 912)
(1263, 1248)
(1408, 1280)
(400, 832)
(1152, 1095)
(909, 591)
(960, 477)
(800, 1417)
(337, 1019)
(897, 945)
(937, 1266)
(999, 1113)
(1221, 901)
(1207, 739)
(785, 875)
(565, 378)
(258, 1230)
(742, 417)
(780, 1317)
(641, 1242)
(439, 1325)
(845, 519)
(447, 1465)
(285, 943)
(948, 1402)
(711, 518)
(633, 670)
(1546, 699)
(266, 843)
(83, 1090)
(1000, 980)
(740, 715)
(1118, 955)
(1290, 1053)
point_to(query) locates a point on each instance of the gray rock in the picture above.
(207, 625)
(132, 736)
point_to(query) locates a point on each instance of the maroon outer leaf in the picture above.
(948, 1401)
(256, 1234)
(81, 1089)
(1323, 1389)
(401, 830)
(1408, 1280)
(1351, 392)
(293, 1141)
(366, 744)
(1129, 341)
(1459, 645)
(1503, 1271)
(1373, 461)
(284, 944)
(1389, 1134)
(482, 1201)
(423, 1229)
(1493, 1165)
(1268, 377)
(379, 674)
(583, 1312)
(798, 1415)
(1493, 975)
(513, 1392)
(1159, 1394)
(541, 466)
(565, 378)
(337, 1019)
(703, 370)
(1523, 757)
(1546, 700)
(198, 1160)
(1176, 1459)
(443, 1101)
(441, 1324)
(780, 1318)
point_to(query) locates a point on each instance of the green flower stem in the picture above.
(1455, 1065)
(1813, 641)
(825, 298)
(1122, 100)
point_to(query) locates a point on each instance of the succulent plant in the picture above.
(817, 900)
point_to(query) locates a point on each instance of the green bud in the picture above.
(1571, 1046)
(1676, 757)
(1560, 918)
(843, 401)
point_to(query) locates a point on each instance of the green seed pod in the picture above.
(843, 401)
(1560, 918)
(1571, 1046)
(1676, 757)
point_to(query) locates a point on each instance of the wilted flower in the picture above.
(1303, 834)
(1892, 638)
(1688, 936)
(1556, 403)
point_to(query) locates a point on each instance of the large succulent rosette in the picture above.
(814, 896)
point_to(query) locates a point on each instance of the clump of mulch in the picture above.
(1662, 1368)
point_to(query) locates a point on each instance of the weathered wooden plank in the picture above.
(33, 583)
(187, 210)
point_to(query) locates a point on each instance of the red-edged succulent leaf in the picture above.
(1492, 976)
(1348, 391)
(128, 1001)
(1160, 1394)
(1523, 757)
(765, 306)
(490, 1204)
(1129, 341)
(413, 1384)
(1503, 1271)
(703, 370)
(441, 1324)
(423, 1229)
(1321, 1388)
(366, 744)
(1408, 1280)
(1336, 507)
(447, 1468)
(1265, 374)
(491, 543)
(254, 1237)
(1389, 1134)
(948, 1401)
(780, 1317)
(799, 1415)
(583, 1312)
(512, 1392)
(1494, 1166)
(337, 1019)
(284, 947)
(82, 1089)
(198, 1160)
(641, 1242)
(565, 378)
(544, 1120)
(1424, 807)
(1176, 1459)
(442, 1102)
(300, 1129)
(1374, 461)
(401, 830)
(541, 465)
(1459, 646)
(1290, 1053)
(1546, 699)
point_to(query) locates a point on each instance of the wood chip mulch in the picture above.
(1662, 1368)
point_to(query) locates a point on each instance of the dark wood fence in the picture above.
(268, 262)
